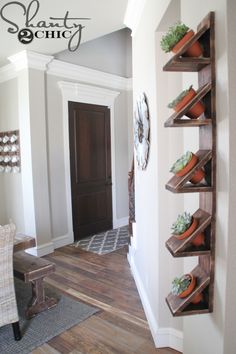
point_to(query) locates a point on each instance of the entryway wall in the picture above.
(56, 146)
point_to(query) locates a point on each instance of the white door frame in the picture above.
(92, 95)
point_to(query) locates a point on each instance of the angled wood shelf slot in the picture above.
(175, 120)
(179, 184)
(178, 305)
(178, 247)
(181, 63)
(185, 64)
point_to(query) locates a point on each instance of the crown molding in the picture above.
(30, 60)
(91, 94)
(7, 72)
(90, 76)
(133, 14)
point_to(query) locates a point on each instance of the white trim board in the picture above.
(133, 14)
(91, 95)
(86, 75)
(163, 337)
(28, 59)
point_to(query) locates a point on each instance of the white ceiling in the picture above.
(106, 16)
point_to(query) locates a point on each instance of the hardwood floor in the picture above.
(106, 283)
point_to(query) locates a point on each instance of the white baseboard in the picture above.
(133, 239)
(63, 240)
(48, 248)
(120, 222)
(41, 250)
(171, 336)
(163, 337)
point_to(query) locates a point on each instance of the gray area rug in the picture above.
(44, 326)
(105, 242)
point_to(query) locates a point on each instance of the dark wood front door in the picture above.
(90, 164)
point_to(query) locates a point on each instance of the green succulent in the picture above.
(180, 284)
(181, 162)
(174, 34)
(179, 98)
(182, 223)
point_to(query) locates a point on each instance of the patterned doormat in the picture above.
(105, 242)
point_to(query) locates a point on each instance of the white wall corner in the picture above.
(129, 86)
(163, 337)
(30, 60)
(133, 14)
(120, 222)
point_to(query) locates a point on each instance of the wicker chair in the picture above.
(8, 307)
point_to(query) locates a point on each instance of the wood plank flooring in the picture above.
(120, 327)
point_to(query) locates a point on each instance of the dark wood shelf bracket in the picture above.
(204, 271)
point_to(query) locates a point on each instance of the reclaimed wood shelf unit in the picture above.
(206, 123)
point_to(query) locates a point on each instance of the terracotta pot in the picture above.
(198, 176)
(188, 167)
(197, 298)
(199, 240)
(194, 51)
(195, 111)
(189, 231)
(190, 288)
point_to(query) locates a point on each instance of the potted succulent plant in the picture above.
(184, 226)
(176, 36)
(184, 164)
(183, 99)
(184, 286)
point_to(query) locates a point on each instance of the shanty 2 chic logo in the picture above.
(65, 27)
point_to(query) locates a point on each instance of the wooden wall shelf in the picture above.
(180, 184)
(204, 272)
(176, 120)
(185, 64)
(178, 247)
(177, 305)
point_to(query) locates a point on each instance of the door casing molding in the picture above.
(82, 93)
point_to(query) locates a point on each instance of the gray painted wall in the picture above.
(111, 53)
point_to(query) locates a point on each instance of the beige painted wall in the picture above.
(10, 184)
(155, 207)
